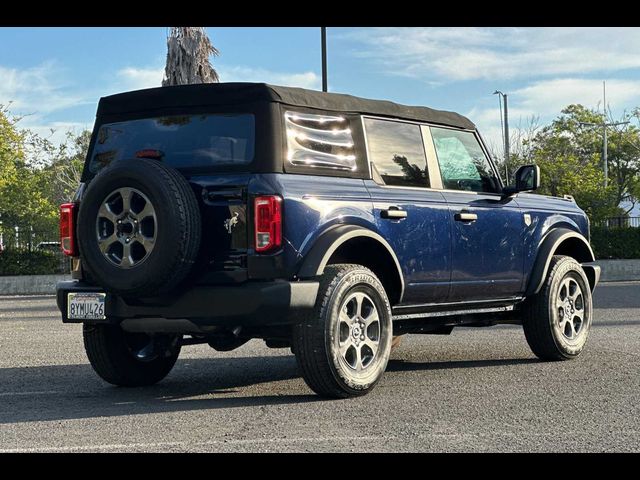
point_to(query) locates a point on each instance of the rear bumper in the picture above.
(250, 304)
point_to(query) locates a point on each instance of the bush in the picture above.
(618, 243)
(24, 262)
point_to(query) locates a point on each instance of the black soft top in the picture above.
(217, 94)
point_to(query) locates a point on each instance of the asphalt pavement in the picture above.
(478, 389)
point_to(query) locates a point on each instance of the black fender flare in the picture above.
(328, 242)
(548, 248)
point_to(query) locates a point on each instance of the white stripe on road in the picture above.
(193, 445)
(120, 446)
(16, 394)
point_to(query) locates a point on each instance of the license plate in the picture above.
(85, 306)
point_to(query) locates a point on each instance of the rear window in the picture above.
(181, 141)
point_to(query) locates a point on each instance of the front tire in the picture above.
(343, 348)
(129, 359)
(557, 320)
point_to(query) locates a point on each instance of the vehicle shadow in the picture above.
(65, 392)
(61, 392)
(399, 365)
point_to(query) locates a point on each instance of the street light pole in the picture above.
(605, 153)
(323, 38)
(507, 153)
(605, 158)
(506, 133)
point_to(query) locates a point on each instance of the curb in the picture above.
(619, 270)
(30, 284)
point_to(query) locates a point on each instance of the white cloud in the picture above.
(497, 53)
(240, 73)
(132, 78)
(35, 93)
(546, 98)
(550, 96)
(37, 90)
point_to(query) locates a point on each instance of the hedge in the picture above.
(610, 243)
(24, 262)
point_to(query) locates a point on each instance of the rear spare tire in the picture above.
(138, 228)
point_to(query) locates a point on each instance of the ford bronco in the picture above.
(320, 222)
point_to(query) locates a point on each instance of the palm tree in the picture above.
(188, 52)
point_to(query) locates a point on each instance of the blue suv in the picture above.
(320, 222)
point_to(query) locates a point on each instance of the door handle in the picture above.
(465, 217)
(393, 213)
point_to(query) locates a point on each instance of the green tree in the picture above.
(22, 201)
(35, 177)
(10, 152)
(65, 167)
(570, 158)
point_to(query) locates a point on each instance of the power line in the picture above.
(604, 126)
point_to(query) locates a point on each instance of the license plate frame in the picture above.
(86, 305)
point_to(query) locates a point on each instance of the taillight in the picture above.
(67, 229)
(268, 222)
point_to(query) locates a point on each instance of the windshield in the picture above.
(181, 141)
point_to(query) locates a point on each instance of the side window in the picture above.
(397, 152)
(463, 164)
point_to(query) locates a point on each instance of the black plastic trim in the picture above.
(444, 307)
(250, 304)
(316, 260)
(266, 267)
(593, 274)
(547, 249)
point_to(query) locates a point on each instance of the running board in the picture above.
(448, 313)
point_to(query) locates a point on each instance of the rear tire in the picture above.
(129, 359)
(343, 347)
(557, 320)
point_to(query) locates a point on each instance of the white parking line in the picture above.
(121, 446)
(17, 394)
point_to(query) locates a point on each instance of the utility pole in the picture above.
(323, 36)
(506, 133)
(604, 125)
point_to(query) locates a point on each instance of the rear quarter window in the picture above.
(182, 141)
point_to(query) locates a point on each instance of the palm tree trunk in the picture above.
(188, 52)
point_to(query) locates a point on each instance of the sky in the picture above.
(55, 76)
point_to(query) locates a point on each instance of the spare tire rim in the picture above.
(359, 331)
(126, 227)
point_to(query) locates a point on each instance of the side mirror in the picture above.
(527, 179)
